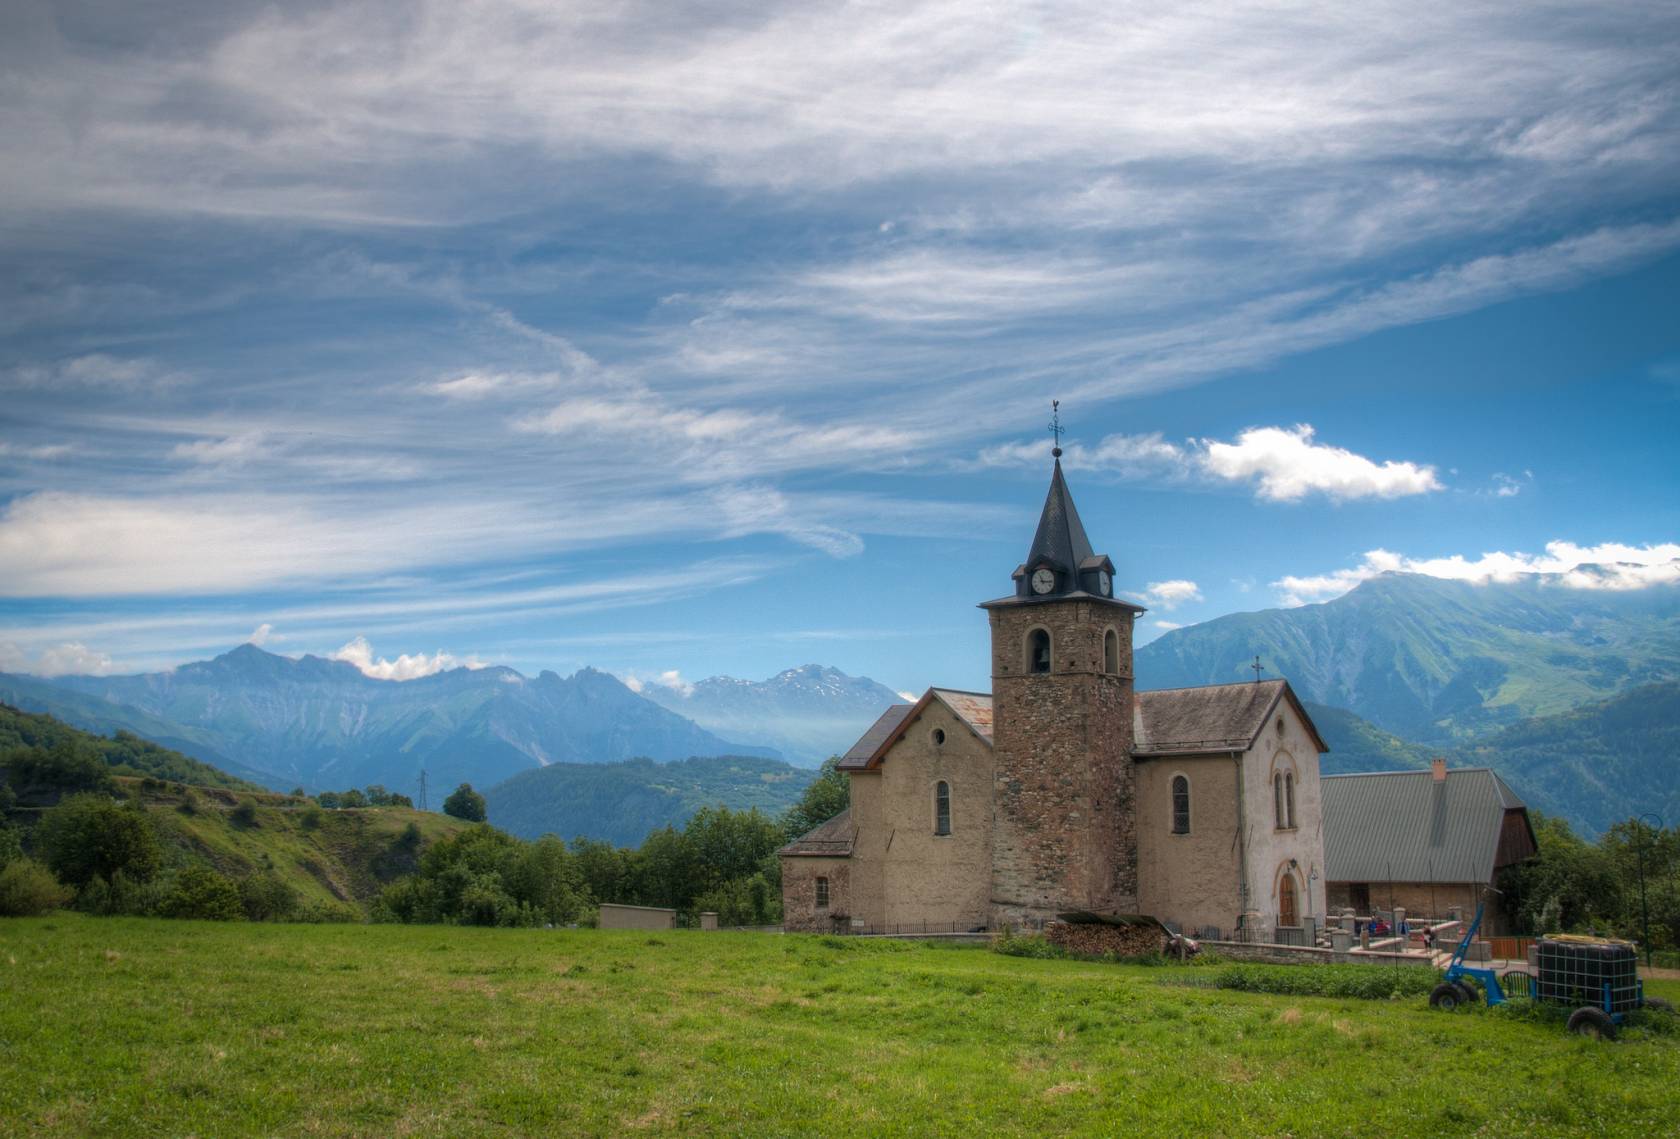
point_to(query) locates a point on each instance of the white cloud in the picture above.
(1609, 566)
(908, 697)
(671, 678)
(1289, 465)
(1283, 463)
(1507, 486)
(96, 370)
(231, 450)
(40, 451)
(405, 667)
(68, 659)
(259, 636)
(1171, 594)
(1168, 626)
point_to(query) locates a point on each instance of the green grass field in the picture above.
(129, 1026)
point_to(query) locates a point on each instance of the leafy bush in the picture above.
(89, 836)
(11, 845)
(28, 889)
(1013, 944)
(265, 896)
(244, 815)
(120, 895)
(311, 818)
(1363, 982)
(202, 894)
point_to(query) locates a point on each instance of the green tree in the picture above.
(828, 795)
(265, 896)
(88, 836)
(465, 803)
(1570, 878)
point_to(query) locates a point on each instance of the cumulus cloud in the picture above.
(1171, 594)
(405, 666)
(1287, 466)
(259, 636)
(1284, 464)
(1168, 626)
(671, 678)
(1506, 486)
(68, 659)
(1608, 566)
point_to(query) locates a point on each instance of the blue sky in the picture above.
(720, 342)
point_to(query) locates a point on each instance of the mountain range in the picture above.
(323, 724)
(1571, 693)
(807, 713)
(1436, 660)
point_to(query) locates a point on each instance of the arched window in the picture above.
(942, 808)
(1181, 804)
(1277, 800)
(1038, 651)
(822, 893)
(1289, 798)
(1111, 652)
(1288, 910)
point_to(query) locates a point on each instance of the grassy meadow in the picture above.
(140, 1027)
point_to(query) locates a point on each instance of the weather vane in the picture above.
(1056, 426)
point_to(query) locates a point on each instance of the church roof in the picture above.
(879, 732)
(1407, 826)
(1169, 721)
(1061, 536)
(974, 709)
(832, 839)
(1213, 718)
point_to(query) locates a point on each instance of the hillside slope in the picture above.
(622, 802)
(1437, 660)
(1596, 765)
(125, 753)
(323, 724)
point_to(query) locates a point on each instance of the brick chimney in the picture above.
(1438, 768)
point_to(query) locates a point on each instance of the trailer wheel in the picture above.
(1446, 997)
(1472, 995)
(1593, 1022)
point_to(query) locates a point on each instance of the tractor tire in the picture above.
(1472, 995)
(1593, 1022)
(1446, 997)
(1658, 1004)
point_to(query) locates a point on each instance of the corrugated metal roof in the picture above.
(858, 757)
(832, 839)
(1404, 826)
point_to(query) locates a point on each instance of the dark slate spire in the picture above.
(1061, 538)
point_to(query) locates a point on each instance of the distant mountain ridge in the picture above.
(622, 803)
(1438, 660)
(322, 723)
(808, 713)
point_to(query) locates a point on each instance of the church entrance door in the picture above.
(1288, 913)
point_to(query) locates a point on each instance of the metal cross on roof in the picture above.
(1056, 428)
(1258, 669)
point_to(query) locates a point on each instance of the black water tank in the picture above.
(1576, 972)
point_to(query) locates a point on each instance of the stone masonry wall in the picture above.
(1064, 835)
(799, 893)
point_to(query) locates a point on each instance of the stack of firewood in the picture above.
(1095, 939)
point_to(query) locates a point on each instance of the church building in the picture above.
(1064, 790)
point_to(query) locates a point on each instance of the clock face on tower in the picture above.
(1043, 581)
(1103, 582)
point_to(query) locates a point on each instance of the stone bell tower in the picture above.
(1064, 827)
